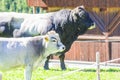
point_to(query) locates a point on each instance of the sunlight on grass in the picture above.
(41, 74)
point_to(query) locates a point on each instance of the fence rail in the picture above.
(97, 64)
(97, 37)
(84, 49)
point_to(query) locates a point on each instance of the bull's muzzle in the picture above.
(92, 26)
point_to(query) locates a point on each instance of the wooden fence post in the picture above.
(98, 65)
(34, 9)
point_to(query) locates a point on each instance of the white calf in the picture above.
(28, 52)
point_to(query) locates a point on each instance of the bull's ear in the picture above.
(46, 38)
(82, 7)
(74, 15)
(51, 32)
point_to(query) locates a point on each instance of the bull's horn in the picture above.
(92, 26)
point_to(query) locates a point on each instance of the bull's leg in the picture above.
(28, 72)
(62, 63)
(17, 33)
(46, 65)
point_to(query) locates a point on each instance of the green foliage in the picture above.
(14, 6)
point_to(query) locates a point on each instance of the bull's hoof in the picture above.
(63, 68)
(46, 68)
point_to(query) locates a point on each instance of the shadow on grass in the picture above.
(90, 70)
(103, 70)
(56, 69)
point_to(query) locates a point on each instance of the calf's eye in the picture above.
(54, 40)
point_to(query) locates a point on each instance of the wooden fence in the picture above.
(87, 3)
(85, 50)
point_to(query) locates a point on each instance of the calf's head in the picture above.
(53, 43)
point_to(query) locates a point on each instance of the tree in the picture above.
(15, 6)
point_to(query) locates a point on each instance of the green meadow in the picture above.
(55, 74)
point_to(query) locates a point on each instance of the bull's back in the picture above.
(24, 15)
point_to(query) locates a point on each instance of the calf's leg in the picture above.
(28, 72)
(0, 76)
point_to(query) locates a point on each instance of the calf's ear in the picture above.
(46, 38)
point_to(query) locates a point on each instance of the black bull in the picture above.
(68, 23)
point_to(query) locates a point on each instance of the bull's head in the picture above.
(82, 18)
(53, 42)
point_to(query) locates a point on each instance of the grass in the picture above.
(41, 74)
